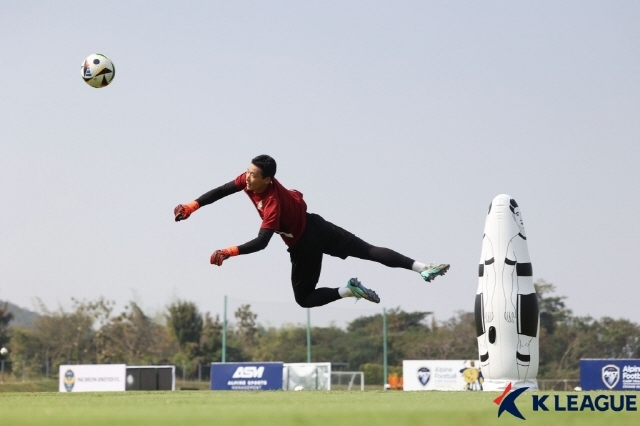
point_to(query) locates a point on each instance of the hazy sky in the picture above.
(399, 121)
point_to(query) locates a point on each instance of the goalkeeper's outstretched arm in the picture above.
(257, 244)
(218, 193)
(183, 211)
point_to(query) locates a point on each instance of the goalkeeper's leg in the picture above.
(363, 250)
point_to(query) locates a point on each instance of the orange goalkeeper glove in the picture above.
(183, 211)
(220, 256)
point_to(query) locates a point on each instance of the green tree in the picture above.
(553, 310)
(286, 344)
(618, 338)
(186, 322)
(5, 319)
(289, 344)
(404, 331)
(454, 338)
(328, 344)
(366, 345)
(58, 337)
(565, 339)
(210, 349)
(245, 328)
(134, 338)
(561, 351)
(211, 339)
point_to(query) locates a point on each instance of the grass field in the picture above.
(285, 408)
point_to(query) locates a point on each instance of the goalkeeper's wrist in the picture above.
(193, 205)
(233, 250)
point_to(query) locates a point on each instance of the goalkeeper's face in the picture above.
(255, 181)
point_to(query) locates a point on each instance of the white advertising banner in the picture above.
(92, 378)
(442, 375)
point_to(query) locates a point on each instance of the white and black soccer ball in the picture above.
(97, 70)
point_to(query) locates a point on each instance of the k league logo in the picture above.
(507, 401)
(610, 375)
(424, 375)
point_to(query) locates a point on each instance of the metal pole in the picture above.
(308, 335)
(384, 347)
(224, 332)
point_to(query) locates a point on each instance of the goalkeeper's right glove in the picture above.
(183, 211)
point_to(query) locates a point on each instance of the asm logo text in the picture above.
(248, 372)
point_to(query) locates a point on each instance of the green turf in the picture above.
(285, 408)
(35, 386)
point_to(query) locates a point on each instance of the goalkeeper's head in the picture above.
(266, 164)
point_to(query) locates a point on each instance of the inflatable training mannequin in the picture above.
(506, 305)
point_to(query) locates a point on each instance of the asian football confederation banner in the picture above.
(246, 375)
(92, 378)
(449, 375)
(610, 374)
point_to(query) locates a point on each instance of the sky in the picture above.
(399, 121)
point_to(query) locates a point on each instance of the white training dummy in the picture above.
(506, 306)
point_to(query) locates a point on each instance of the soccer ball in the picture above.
(97, 70)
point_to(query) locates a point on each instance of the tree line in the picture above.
(92, 333)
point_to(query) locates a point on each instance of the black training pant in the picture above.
(321, 237)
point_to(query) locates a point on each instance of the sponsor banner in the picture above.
(246, 375)
(610, 374)
(92, 378)
(460, 375)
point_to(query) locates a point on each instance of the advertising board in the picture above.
(246, 375)
(460, 375)
(92, 378)
(610, 374)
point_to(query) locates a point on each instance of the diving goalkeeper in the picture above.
(307, 235)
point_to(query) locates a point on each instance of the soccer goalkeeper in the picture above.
(307, 235)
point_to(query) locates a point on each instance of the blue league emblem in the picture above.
(424, 375)
(610, 375)
(69, 380)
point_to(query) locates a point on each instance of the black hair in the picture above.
(513, 205)
(266, 164)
